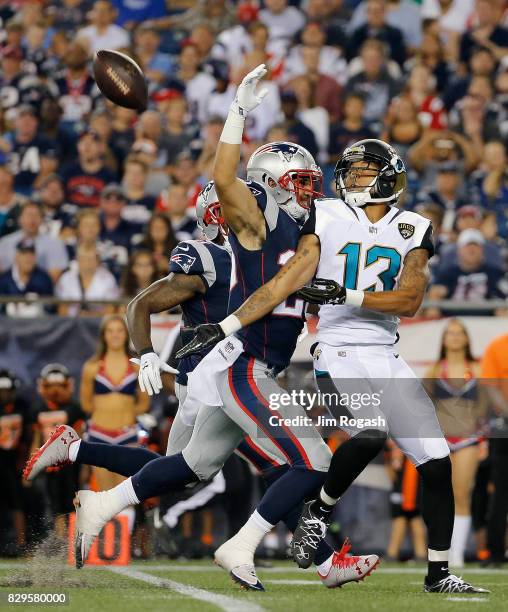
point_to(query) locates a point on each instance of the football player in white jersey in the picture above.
(370, 264)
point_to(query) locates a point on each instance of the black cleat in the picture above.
(311, 529)
(452, 584)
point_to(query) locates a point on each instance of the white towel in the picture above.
(202, 382)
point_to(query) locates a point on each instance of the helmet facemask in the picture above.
(305, 184)
(213, 221)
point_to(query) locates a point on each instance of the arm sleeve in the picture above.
(423, 238)
(193, 258)
(309, 226)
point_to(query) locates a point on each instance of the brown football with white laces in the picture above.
(120, 79)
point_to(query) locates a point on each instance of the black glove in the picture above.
(323, 291)
(205, 336)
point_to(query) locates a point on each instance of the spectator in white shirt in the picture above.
(50, 251)
(88, 281)
(103, 33)
(283, 22)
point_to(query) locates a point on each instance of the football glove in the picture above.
(246, 98)
(205, 336)
(149, 376)
(323, 291)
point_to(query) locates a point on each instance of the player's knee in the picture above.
(436, 471)
(370, 441)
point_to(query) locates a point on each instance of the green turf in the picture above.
(389, 588)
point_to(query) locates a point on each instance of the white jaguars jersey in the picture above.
(367, 256)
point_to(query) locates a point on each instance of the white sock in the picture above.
(254, 530)
(130, 513)
(325, 567)
(121, 496)
(461, 528)
(73, 450)
(329, 501)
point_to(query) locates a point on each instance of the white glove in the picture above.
(150, 367)
(246, 98)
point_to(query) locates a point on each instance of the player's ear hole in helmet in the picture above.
(370, 171)
(209, 214)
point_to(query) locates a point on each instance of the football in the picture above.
(120, 79)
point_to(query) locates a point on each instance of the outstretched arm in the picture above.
(407, 298)
(238, 205)
(159, 296)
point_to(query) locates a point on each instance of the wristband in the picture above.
(146, 350)
(354, 297)
(232, 132)
(230, 325)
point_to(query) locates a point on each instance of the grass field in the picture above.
(193, 586)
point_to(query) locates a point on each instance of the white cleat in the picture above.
(54, 452)
(240, 565)
(91, 516)
(348, 568)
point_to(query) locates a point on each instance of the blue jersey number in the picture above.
(352, 252)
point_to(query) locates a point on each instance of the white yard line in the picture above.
(224, 602)
(468, 599)
(298, 582)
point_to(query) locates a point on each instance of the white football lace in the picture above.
(453, 584)
(315, 531)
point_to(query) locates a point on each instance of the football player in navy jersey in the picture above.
(228, 392)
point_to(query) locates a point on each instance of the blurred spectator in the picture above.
(87, 232)
(179, 131)
(331, 61)
(140, 204)
(130, 14)
(189, 78)
(148, 151)
(283, 23)
(100, 123)
(75, 88)
(310, 113)
(85, 178)
(10, 202)
(297, 131)
(450, 18)
(376, 26)
(68, 15)
(208, 146)
(52, 129)
(421, 89)
(435, 214)
(203, 36)
(186, 174)
(438, 146)
(155, 64)
(55, 406)
(57, 215)
(472, 277)
(257, 52)
(481, 63)
(183, 218)
(118, 236)
(159, 240)
(140, 273)
(89, 280)
(431, 54)
(28, 150)
(218, 14)
(51, 253)
(122, 132)
(402, 127)
(25, 278)
(490, 184)
(14, 417)
(351, 128)
(486, 32)
(102, 33)
(374, 82)
(12, 79)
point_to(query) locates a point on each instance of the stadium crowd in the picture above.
(93, 197)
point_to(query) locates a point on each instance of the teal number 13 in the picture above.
(352, 252)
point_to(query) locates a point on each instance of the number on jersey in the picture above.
(355, 264)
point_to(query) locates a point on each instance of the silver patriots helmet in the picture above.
(382, 163)
(208, 212)
(289, 173)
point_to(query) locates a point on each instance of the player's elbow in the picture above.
(411, 305)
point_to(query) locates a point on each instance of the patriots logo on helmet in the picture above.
(184, 261)
(285, 148)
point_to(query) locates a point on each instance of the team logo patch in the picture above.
(406, 230)
(184, 261)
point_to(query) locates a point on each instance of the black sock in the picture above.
(124, 460)
(350, 459)
(319, 508)
(436, 570)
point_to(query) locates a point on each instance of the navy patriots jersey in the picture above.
(273, 338)
(213, 264)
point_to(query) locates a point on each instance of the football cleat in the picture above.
(53, 453)
(348, 568)
(240, 565)
(91, 516)
(311, 529)
(452, 584)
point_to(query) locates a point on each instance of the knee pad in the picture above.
(436, 470)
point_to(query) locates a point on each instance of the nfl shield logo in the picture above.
(406, 230)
